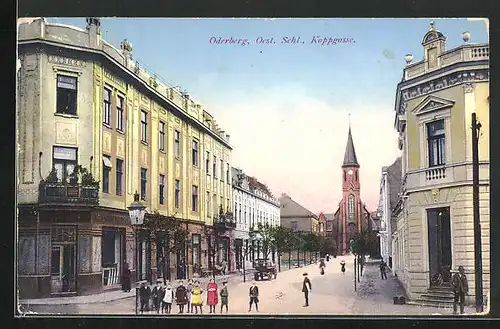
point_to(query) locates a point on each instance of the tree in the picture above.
(265, 235)
(363, 243)
(282, 241)
(169, 235)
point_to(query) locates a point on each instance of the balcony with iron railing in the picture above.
(65, 193)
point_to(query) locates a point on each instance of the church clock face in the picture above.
(350, 172)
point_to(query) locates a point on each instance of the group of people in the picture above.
(161, 297)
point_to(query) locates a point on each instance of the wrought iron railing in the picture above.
(64, 193)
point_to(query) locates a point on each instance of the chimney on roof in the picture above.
(228, 137)
(94, 28)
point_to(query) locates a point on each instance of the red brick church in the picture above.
(351, 216)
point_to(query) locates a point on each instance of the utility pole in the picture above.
(478, 259)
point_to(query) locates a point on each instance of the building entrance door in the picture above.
(63, 265)
(439, 239)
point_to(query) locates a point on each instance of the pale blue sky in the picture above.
(269, 96)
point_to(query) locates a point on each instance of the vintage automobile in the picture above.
(264, 268)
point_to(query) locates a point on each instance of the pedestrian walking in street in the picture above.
(126, 278)
(306, 288)
(181, 296)
(189, 290)
(383, 269)
(144, 296)
(322, 266)
(342, 266)
(460, 289)
(224, 294)
(168, 297)
(212, 295)
(157, 290)
(196, 297)
(327, 257)
(254, 297)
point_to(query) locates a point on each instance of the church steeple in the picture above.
(350, 159)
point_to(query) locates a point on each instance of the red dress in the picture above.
(212, 295)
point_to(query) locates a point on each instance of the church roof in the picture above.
(350, 159)
(290, 208)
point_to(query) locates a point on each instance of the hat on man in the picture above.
(305, 274)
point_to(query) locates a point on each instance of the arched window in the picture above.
(345, 176)
(350, 207)
(356, 176)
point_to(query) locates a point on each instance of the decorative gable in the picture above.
(432, 103)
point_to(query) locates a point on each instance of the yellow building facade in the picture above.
(83, 102)
(434, 105)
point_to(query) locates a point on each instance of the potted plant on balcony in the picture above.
(51, 177)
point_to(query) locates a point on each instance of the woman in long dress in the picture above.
(212, 295)
(196, 297)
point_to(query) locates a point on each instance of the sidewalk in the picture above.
(374, 296)
(114, 295)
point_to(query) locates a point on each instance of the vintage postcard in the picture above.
(195, 167)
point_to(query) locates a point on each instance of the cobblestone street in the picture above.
(332, 294)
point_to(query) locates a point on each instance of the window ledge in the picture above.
(144, 143)
(106, 125)
(162, 151)
(120, 131)
(69, 116)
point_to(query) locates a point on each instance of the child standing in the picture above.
(167, 299)
(224, 296)
(196, 298)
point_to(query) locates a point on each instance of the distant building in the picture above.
(296, 217)
(390, 185)
(352, 216)
(253, 204)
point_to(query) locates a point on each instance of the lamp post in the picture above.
(136, 212)
(351, 245)
(476, 126)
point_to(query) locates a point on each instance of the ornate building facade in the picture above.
(434, 104)
(253, 204)
(83, 102)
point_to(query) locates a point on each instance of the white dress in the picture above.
(169, 293)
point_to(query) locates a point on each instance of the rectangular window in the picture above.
(161, 135)
(119, 112)
(294, 226)
(195, 153)
(436, 143)
(66, 94)
(214, 164)
(214, 204)
(208, 204)
(64, 160)
(222, 201)
(207, 163)
(144, 183)
(177, 195)
(119, 176)
(227, 173)
(144, 126)
(177, 143)
(106, 170)
(221, 170)
(194, 201)
(106, 107)
(162, 189)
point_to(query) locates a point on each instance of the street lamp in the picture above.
(351, 246)
(136, 212)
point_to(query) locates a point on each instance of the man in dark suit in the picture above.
(460, 288)
(306, 287)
